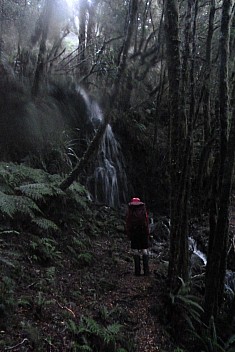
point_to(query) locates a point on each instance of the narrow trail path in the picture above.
(135, 295)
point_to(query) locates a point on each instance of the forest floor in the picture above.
(60, 298)
(43, 306)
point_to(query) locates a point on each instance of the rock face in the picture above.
(197, 264)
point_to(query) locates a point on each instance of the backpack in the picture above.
(137, 217)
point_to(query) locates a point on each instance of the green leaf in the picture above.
(38, 191)
(45, 224)
(114, 329)
(10, 205)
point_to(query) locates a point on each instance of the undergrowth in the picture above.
(45, 235)
(33, 197)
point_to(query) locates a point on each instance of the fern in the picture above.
(80, 200)
(7, 204)
(77, 187)
(10, 205)
(72, 326)
(110, 332)
(15, 174)
(84, 348)
(78, 243)
(44, 249)
(92, 326)
(79, 193)
(23, 190)
(5, 188)
(114, 329)
(45, 224)
(89, 334)
(84, 258)
(38, 191)
(107, 335)
(186, 306)
(26, 206)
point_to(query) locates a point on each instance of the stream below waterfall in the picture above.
(198, 259)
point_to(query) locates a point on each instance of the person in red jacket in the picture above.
(137, 228)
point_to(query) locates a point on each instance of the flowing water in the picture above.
(107, 181)
(193, 247)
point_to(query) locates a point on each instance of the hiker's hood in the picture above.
(135, 201)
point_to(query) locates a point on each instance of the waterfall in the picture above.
(194, 249)
(107, 182)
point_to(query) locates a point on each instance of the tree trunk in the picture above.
(181, 135)
(207, 132)
(48, 7)
(176, 260)
(223, 83)
(114, 92)
(82, 38)
(91, 21)
(216, 264)
(1, 28)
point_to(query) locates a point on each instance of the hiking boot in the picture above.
(146, 264)
(137, 265)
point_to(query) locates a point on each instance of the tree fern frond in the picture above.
(77, 187)
(7, 204)
(26, 205)
(6, 188)
(10, 205)
(45, 224)
(79, 198)
(15, 174)
(37, 191)
(55, 178)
